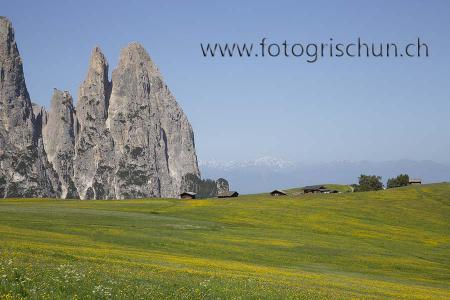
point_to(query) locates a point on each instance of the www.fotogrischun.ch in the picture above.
(312, 52)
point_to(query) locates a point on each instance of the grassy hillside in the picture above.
(387, 244)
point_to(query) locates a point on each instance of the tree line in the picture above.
(373, 182)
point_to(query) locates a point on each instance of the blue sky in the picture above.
(244, 108)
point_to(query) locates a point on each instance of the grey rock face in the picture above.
(24, 169)
(154, 143)
(127, 138)
(58, 132)
(134, 121)
(222, 185)
(15, 109)
(94, 162)
(134, 140)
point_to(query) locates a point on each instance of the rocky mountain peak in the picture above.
(7, 41)
(134, 52)
(94, 92)
(136, 55)
(58, 134)
(24, 168)
(11, 62)
(98, 63)
(127, 138)
(15, 106)
(60, 128)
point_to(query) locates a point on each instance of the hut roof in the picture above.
(415, 180)
(228, 194)
(278, 192)
(314, 187)
(188, 193)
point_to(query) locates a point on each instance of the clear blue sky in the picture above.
(335, 109)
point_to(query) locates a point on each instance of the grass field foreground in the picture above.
(386, 244)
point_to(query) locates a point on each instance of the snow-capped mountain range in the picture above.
(266, 161)
(267, 173)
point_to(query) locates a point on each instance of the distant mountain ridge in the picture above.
(262, 175)
(265, 161)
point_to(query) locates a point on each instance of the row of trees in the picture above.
(205, 188)
(374, 183)
(400, 180)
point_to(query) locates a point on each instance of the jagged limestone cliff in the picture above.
(94, 161)
(124, 138)
(154, 142)
(24, 169)
(59, 129)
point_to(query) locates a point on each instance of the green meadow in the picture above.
(386, 244)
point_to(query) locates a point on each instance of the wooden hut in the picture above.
(327, 191)
(415, 181)
(188, 195)
(228, 194)
(278, 193)
(314, 189)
